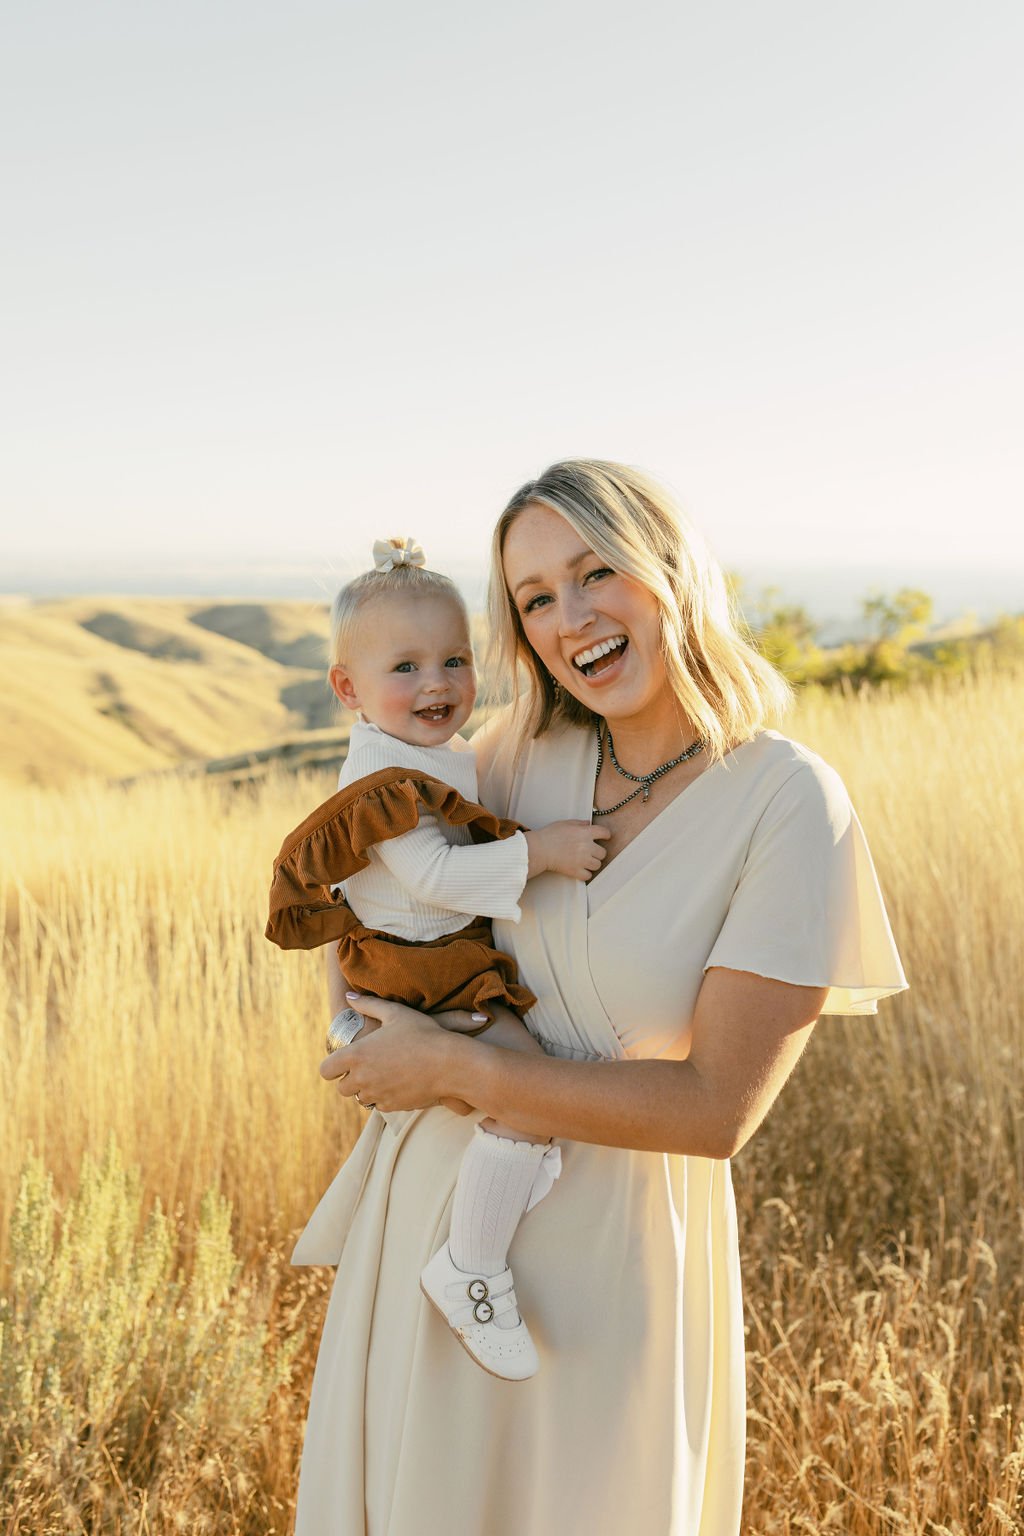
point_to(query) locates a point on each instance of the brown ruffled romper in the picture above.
(458, 970)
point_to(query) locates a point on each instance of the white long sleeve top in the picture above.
(429, 882)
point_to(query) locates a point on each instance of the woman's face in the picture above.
(596, 632)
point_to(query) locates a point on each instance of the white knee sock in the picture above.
(494, 1184)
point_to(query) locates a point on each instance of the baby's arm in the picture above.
(487, 879)
(479, 879)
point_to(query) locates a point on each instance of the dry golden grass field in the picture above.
(165, 1133)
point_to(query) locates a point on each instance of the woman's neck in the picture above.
(643, 745)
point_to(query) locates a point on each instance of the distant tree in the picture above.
(894, 623)
(891, 651)
(900, 619)
(786, 634)
(1007, 637)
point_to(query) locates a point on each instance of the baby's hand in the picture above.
(572, 848)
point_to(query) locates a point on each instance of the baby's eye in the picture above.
(405, 666)
(457, 661)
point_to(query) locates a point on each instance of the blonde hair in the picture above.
(402, 581)
(725, 687)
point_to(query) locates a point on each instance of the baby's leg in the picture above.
(496, 1179)
(468, 1279)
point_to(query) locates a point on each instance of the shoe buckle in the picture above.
(478, 1292)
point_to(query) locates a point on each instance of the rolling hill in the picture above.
(121, 686)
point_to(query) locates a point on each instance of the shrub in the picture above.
(129, 1380)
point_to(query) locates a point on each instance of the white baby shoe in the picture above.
(470, 1305)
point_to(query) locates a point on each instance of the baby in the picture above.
(413, 926)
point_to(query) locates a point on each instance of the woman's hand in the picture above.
(401, 1065)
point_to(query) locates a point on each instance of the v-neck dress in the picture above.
(628, 1271)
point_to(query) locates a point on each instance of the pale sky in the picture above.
(283, 278)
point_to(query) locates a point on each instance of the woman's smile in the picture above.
(596, 660)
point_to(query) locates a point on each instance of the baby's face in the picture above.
(412, 672)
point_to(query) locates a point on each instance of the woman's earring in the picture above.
(556, 688)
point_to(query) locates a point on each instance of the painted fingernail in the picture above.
(479, 1018)
(351, 996)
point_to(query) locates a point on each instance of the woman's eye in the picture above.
(601, 570)
(536, 602)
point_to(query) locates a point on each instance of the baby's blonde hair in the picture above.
(726, 688)
(402, 581)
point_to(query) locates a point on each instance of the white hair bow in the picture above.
(388, 553)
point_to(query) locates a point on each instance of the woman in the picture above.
(676, 991)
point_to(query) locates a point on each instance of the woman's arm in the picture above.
(748, 1033)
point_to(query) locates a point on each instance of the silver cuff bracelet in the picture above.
(343, 1029)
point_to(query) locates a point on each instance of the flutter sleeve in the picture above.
(334, 843)
(807, 908)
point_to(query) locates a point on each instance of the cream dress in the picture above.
(628, 1272)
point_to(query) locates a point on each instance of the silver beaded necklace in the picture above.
(643, 780)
